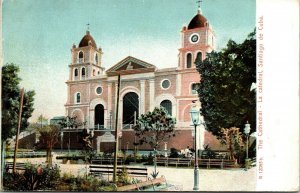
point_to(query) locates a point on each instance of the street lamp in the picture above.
(61, 140)
(195, 116)
(247, 131)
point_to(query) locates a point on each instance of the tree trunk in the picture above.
(155, 164)
(49, 157)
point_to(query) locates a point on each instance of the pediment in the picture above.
(131, 65)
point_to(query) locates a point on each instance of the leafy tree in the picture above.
(48, 138)
(42, 120)
(224, 90)
(71, 123)
(11, 102)
(154, 128)
(233, 139)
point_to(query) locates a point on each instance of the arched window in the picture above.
(80, 57)
(83, 72)
(195, 87)
(189, 60)
(77, 97)
(94, 72)
(167, 105)
(199, 56)
(76, 73)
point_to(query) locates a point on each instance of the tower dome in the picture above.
(197, 21)
(87, 40)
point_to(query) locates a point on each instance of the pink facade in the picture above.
(92, 89)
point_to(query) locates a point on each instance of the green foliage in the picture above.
(154, 174)
(11, 102)
(123, 177)
(34, 178)
(150, 159)
(233, 139)
(37, 178)
(48, 138)
(71, 123)
(174, 153)
(83, 184)
(208, 153)
(224, 91)
(155, 127)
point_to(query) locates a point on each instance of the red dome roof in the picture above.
(87, 40)
(197, 21)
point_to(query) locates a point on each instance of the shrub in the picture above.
(174, 153)
(34, 178)
(123, 177)
(13, 182)
(208, 152)
(150, 160)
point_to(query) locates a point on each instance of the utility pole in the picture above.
(116, 132)
(18, 131)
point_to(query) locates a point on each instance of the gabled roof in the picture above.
(130, 65)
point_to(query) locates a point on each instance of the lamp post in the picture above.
(247, 131)
(61, 140)
(195, 116)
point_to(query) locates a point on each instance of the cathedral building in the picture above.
(92, 90)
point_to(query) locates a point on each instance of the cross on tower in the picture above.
(199, 3)
(88, 26)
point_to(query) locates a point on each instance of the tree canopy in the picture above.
(11, 102)
(48, 138)
(155, 127)
(224, 90)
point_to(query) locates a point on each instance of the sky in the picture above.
(38, 36)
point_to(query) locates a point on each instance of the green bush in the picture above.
(37, 178)
(150, 160)
(123, 177)
(34, 178)
(174, 153)
(13, 182)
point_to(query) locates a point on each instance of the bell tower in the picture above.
(197, 39)
(86, 59)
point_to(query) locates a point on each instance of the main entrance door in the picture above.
(99, 116)
(130, 108)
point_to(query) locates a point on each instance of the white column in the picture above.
(109, 97)
(69, 94)
(120, 117)
(201, 137)
(109, 104)
(178, 93)
(91, 117)
(87, 117)
(120, 121)
(71, 75)
(151, 94)
(201, 134)
(178, 84)
(142, 97)
(98, 144)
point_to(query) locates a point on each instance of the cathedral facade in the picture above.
(92, 90)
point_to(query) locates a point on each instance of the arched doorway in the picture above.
(130, 108)
(99, 116)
